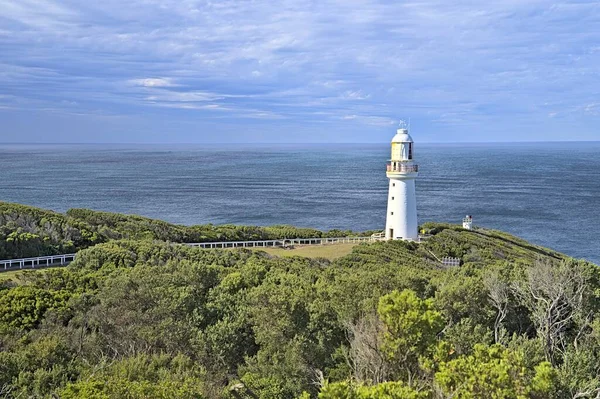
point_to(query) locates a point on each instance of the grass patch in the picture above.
(328, 251)
(14, 275)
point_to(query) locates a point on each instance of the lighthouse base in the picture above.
(401, 221)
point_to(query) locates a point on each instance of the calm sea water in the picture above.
(548, 193)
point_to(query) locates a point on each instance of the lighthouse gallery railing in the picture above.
(400, 167)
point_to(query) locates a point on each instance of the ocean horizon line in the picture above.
(296, 143)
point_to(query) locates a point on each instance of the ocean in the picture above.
(547, 193)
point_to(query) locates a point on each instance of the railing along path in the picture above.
(281, 242)
(37, 262)
(64, 260)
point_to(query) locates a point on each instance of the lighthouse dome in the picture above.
(402, 136)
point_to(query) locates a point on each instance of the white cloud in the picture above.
(192, 106)
(354, 95)
(446, 62)
(189, 96)
(370, 120)
(153, 82)
(592, 109)
(42, 15)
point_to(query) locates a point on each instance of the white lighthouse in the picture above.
(401, 222)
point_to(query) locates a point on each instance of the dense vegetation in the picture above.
(27, 231)
(137, 317)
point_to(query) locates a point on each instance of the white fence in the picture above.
(447, 261)
(64, 260)
(282, 242)
(39, 261)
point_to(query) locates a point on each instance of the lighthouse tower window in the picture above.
(410, 152)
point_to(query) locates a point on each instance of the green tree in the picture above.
(494, 372)
(24, 307)
(411, 328)
(140, 377)
(385, 390)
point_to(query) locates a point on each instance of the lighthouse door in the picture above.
(392, 233)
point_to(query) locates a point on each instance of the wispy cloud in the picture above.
(350, 64)
(354, 95)
(592, 109)
(371, 120)
(153, 82)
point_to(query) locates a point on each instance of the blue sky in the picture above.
(184, 71)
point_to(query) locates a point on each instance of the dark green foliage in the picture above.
(24, 307)
(27, 231)
(140, 377)
(386, 390)
(495, 372)
(481, 246)
(136, 316)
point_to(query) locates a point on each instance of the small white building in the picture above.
(401, 221)
(468, 222)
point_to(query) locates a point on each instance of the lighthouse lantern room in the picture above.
(401, 220)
